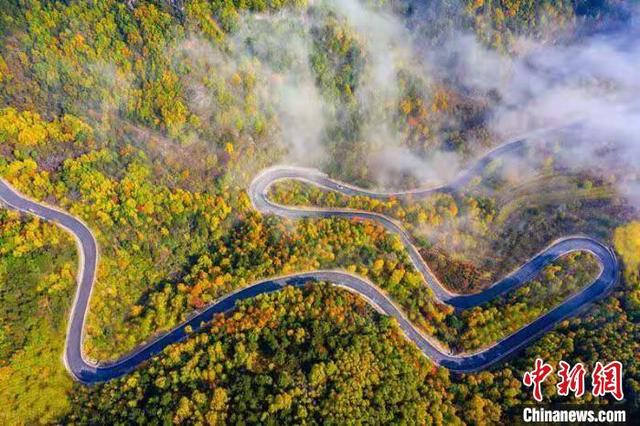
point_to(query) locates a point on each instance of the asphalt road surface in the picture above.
(88, 372)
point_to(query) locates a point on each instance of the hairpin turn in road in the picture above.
(88, 372)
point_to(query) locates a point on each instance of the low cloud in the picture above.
(393, 163)
(592, 81)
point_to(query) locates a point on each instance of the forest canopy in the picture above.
(148, 119)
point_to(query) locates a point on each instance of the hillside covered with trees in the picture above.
(148, 120)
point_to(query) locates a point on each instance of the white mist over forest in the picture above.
(538, 85)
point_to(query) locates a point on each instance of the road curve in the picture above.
(88, 372)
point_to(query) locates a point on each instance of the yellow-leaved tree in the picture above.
(627, 243)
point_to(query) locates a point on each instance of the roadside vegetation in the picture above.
(320, 354)
(481, 326)
(37, 281)
(627, 242)
(474, 237)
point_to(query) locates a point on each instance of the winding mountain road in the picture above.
(88, 372)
